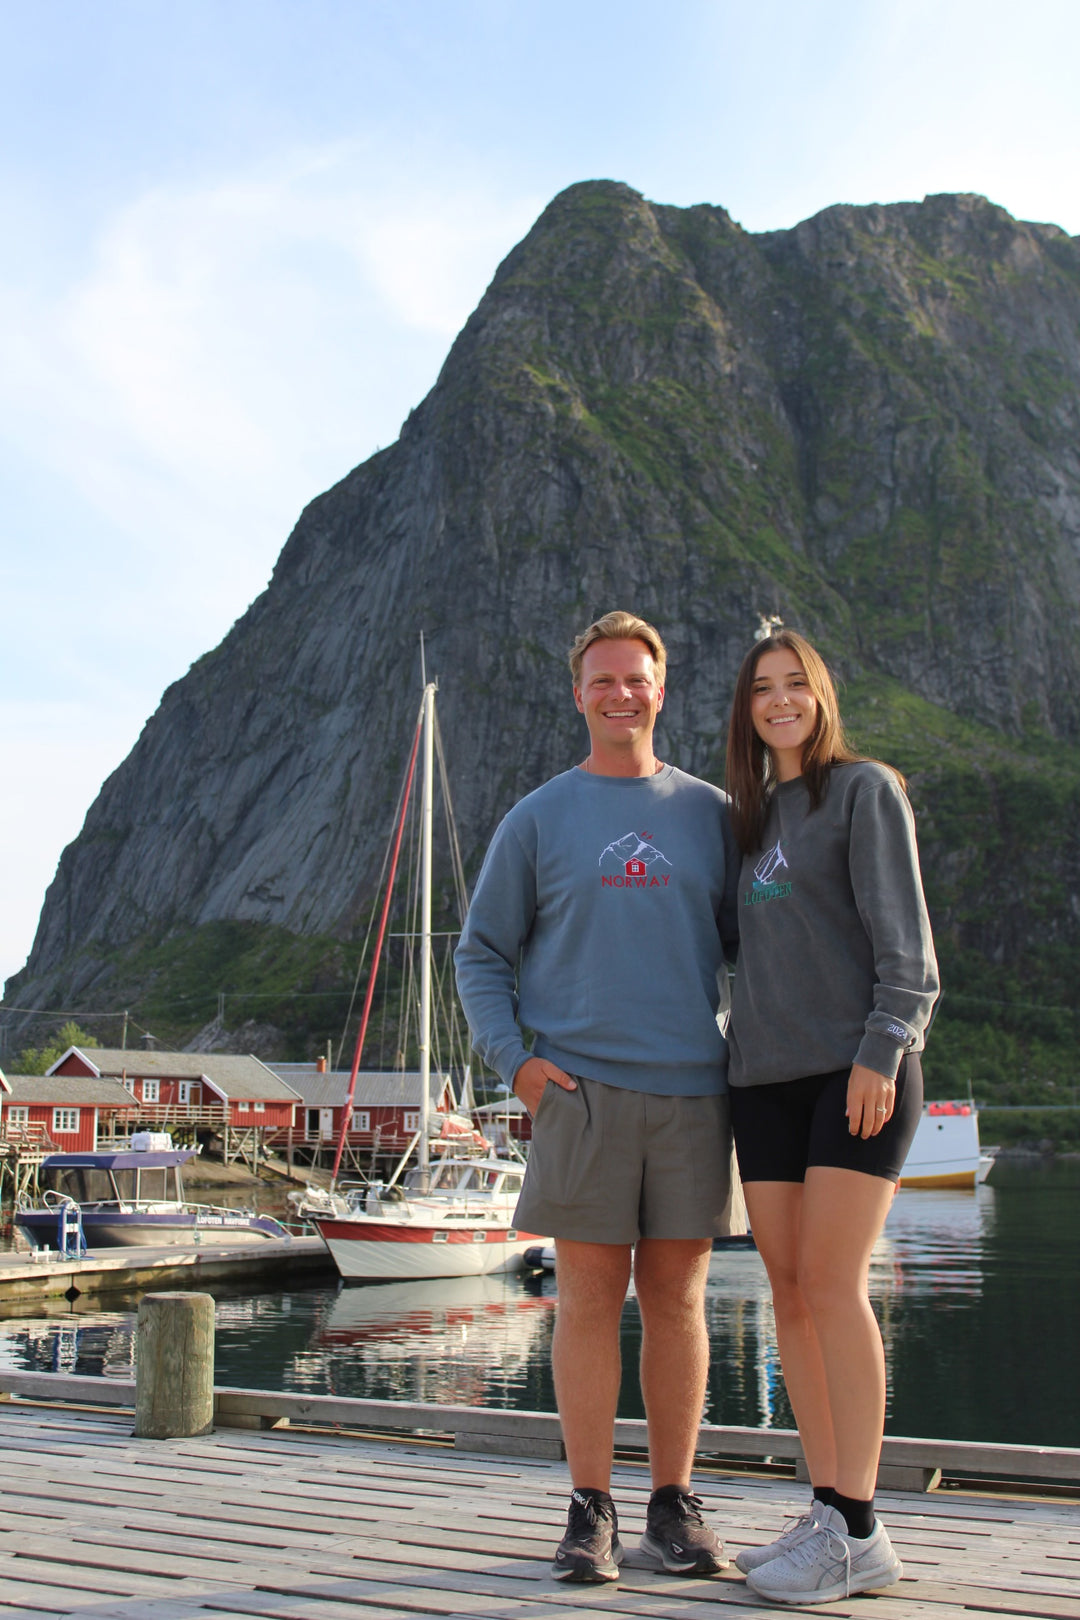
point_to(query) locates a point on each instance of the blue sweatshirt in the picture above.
(601, 919)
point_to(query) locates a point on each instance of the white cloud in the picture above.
(222, 353)
(208, 358)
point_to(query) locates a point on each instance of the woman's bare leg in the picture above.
(775, 1213)
(842, 1214)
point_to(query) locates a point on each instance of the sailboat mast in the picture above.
(427, 821)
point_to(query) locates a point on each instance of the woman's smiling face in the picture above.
(783, 709)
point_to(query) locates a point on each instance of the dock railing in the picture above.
(906, 1463)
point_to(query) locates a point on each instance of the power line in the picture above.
(62, 1012)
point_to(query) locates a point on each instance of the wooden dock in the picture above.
(310, 1525)
(43, 1274)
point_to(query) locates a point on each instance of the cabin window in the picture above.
(128, 1083)
(412, 1120)
(183, 1093)
(361, 1119)
(65, 1121)
(258, 1108)
(18, 1116)
(150, 1090)
(85, 1184)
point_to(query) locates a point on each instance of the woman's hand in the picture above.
(532, 1078)
(870, 1100)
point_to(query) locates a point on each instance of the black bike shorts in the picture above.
(782, 1129)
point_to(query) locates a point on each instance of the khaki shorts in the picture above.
(608, 1165)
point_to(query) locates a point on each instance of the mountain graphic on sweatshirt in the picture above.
(630, 847)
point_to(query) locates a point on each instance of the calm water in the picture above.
(976, 1293)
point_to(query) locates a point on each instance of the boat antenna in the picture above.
(423, 662)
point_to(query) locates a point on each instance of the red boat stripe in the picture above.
(386, 1232)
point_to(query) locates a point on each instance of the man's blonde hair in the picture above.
(619, 626)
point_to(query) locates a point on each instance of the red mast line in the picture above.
(347, 1112)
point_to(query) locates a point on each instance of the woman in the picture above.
(836, 983)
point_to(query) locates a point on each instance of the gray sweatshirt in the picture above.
(836, 960)
(600, 921)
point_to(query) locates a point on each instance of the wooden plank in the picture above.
(73, 1576)
(42, 1600)
(171, 1531)
(69, 1387)
(35, 1603)
(82, 1553)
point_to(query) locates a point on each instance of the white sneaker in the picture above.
(828, 1564)
(753, 1557)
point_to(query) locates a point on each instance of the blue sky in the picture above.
(240, 236)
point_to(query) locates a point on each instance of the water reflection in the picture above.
(935, 1242)
(469, 1340)
(967, 1285)
(99, 1345)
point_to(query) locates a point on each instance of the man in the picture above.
(600, 920)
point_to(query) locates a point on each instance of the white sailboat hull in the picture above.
(380, 1250)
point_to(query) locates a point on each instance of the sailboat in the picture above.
(442, 1224)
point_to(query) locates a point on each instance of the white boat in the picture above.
(450, 1219)
(370, 1248)
(945, 1151)
(129, 1197)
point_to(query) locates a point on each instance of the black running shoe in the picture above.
(677, 1537)
(590, 1549)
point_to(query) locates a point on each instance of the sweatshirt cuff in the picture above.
(879, 1053)
(507, 1062)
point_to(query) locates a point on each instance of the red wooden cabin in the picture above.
(63, 1115)
(170, 1089)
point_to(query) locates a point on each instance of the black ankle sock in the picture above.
(824, 1494)
(858, 1516)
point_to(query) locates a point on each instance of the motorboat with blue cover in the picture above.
(130, 1197)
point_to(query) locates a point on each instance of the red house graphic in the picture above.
(635, 868)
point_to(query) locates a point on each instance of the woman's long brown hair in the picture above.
(749, 763)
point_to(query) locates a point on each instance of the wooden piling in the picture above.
(174, 1366)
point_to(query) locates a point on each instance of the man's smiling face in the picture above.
(619, 694)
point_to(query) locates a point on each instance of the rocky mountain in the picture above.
(868, 424)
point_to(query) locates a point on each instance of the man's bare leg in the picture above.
(585, 1359)
(669, 1275)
